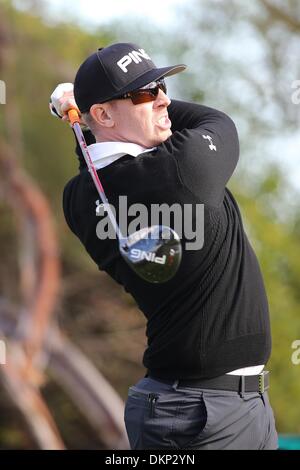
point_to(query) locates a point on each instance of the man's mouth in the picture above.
(164, 122)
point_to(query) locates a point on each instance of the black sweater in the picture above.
(212, 317)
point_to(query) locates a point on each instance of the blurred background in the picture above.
(71, 338)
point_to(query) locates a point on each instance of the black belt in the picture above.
(236, 383)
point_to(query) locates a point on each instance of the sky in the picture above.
(96, 12)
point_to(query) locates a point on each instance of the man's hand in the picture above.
(62, 100)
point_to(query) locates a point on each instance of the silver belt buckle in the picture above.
(261, 382)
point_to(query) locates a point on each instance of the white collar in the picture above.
(105, 153)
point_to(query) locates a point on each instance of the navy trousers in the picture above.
(163, 416)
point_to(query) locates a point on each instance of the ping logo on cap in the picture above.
(133, 56)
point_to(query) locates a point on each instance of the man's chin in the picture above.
(163, 137)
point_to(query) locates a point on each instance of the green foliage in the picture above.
(277, 247)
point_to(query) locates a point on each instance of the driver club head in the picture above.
(154, 253)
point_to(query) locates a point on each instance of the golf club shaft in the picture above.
(74, 120)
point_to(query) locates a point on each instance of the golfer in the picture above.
(208, 327)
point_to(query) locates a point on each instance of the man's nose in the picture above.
(162, 99)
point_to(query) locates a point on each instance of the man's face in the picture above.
(146, 124)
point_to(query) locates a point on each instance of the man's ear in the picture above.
(102, 115)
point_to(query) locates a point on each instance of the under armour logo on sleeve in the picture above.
(211, 145)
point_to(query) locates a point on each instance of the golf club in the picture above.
(154, 253)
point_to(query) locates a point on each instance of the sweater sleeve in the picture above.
(206, 147)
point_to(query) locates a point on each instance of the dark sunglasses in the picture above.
(146, 93)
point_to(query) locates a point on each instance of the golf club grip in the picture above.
(73, 116)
